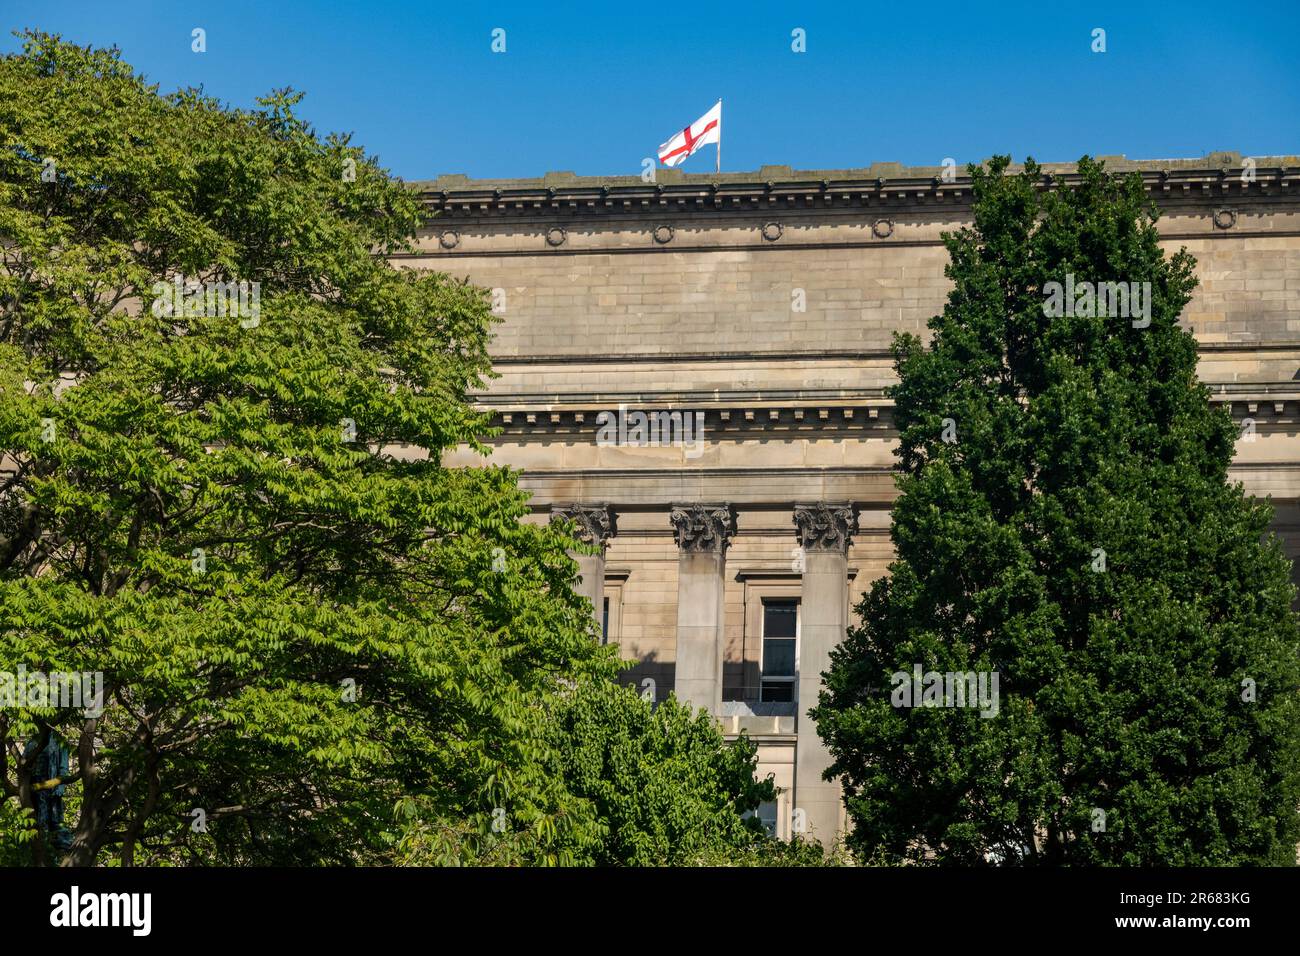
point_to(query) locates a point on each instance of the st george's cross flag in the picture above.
(707, 129)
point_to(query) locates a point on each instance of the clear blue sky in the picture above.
(595, 87)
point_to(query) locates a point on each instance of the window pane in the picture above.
(778, 691)
(778, 658)
(779, 619)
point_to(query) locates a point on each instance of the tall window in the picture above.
(780, 635)
(604, 623)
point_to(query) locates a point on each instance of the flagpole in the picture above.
(718, 168)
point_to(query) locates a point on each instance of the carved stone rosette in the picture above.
(595, 523)
(703, 528)
(823, 527)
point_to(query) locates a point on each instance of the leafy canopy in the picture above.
(1077, 535)
(242, 521)
(661, 780)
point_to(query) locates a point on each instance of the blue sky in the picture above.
(595, 87)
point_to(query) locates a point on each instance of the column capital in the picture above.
(703, 528)
(595, 523)
(825, 527)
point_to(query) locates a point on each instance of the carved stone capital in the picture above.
(703, 528)
(823, 527)
(595, 523)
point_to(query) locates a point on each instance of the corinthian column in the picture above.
(595, 525)
(703, 533)
(824, 533)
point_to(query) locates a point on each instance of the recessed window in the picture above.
(780, 638)
(610, 609)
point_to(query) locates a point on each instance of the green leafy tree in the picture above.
(662, 782)
(1066, 521)
(17, 834)
(225, 506)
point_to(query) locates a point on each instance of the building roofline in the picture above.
(1217, 174)
(1213, 162)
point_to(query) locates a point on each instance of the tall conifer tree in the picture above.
(1066, 521)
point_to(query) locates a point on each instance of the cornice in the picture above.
(774, 417)
(675, 400)
(1273, 406)
(880, 354)
(1219, 176)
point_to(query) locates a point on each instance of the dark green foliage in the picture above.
(1126, 689)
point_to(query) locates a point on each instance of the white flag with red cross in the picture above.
(707, 129)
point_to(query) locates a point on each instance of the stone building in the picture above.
(760, 305)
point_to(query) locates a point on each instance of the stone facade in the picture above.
(763, 303)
